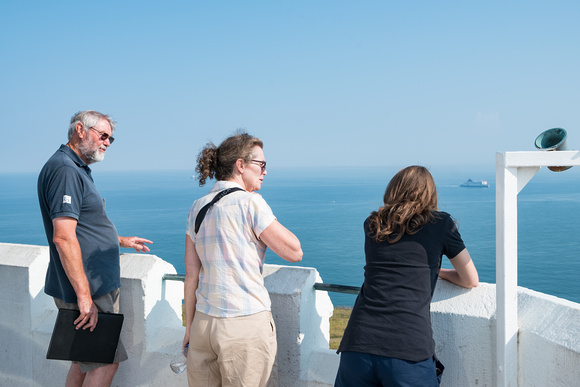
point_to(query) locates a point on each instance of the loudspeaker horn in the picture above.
(553, 139)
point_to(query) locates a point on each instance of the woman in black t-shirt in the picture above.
(388, 340)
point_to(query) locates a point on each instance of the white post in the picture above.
(513, 171)
(506, 272)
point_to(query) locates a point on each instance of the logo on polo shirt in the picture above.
(66, 199)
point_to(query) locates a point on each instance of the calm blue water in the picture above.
(326, 209)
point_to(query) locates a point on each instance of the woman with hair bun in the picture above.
(389, 340)
(229, 327)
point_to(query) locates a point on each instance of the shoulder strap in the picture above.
(203, 211)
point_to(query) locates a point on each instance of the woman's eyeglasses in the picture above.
(261, 163)
(105, 136)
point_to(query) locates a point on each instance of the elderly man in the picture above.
(84, 271)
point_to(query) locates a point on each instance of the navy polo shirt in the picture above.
(66, 189)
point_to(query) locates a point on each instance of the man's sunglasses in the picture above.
(104, 136)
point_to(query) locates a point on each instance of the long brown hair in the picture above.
(219, 161)
(410, 202)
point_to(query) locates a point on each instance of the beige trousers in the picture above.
(233, 351)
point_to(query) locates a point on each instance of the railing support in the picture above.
(317, 286)
(337, 288)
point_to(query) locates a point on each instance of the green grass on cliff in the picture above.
(338, 323)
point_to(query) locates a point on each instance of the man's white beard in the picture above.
(91, 155)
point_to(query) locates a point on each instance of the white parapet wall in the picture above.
(152, 329)
(463, 327)
(302, 317)
(464, 333)
(548, 340)
(25, 312)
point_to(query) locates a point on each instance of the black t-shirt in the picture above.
(391, 316)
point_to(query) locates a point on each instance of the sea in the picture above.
(326, 208)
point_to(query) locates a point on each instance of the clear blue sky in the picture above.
(323, 83)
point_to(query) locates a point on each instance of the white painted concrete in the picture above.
(463, 325)
(302, 321)
(152, 330)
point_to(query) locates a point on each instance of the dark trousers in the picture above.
(360, 369)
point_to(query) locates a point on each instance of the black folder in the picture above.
(98, 346)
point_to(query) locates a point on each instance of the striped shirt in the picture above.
(231, 253)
